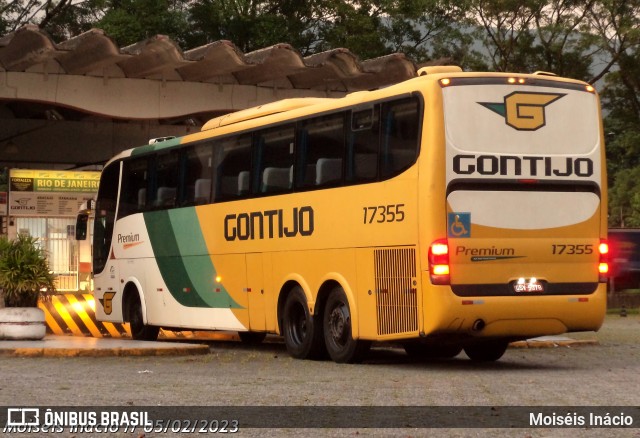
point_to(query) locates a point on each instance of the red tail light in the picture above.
(439, 262)
(603, 266)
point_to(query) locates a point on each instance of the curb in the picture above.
(85, 347)
(108, 352)
(533, 343)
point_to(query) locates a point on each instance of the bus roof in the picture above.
(433, 73)
(262, 110)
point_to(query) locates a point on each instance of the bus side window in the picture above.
(133, 195)
(324, 150)
(274, 159)
(364, 142)
(232, 164)
(164, 187)
(400, 135)
(196, 175)
(105, 213)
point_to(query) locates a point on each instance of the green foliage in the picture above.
(624, 199)
(255, 24)
(621, 101)
(355, 25)
(584, 39)
(530, 35)
(66, 19)
(131, 21)
(24, 272)
(422, 29)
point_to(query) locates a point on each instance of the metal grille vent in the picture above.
(396, 295)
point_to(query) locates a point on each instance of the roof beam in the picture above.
(137, 99)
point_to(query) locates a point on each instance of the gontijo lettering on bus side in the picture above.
(269, 224)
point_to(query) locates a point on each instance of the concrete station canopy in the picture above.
(95, 56)
(154, 85)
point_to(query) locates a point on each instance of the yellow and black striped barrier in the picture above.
(75, 314)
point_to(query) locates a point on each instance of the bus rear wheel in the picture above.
(341, 346)
(486, 351)
(139, 330)
(301, 330)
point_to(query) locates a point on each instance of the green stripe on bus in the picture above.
(192, 247)
(183, 260)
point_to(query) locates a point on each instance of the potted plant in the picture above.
(25, 277)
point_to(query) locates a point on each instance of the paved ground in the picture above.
(70, 346)
(563, 379)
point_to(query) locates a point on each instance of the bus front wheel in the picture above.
(139, 330)
(341, 346)
(486, 351)
(301, 330)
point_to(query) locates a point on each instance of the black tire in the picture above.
(301, 330)
(252, 338)
(140, 331)
(418, 350)
(486, 351)
(341, 346)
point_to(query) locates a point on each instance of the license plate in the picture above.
(528, 285)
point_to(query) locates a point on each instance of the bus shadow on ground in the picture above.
(396, 356)
(390, 355)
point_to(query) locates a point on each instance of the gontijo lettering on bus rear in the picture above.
(511, 165)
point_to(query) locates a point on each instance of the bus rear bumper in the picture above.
(515, 317)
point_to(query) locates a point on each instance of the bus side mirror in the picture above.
(81, 226)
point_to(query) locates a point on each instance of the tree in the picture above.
(356, 25)
(525, 36)
(624, 199)
(505, 29)
(63, 18)
(423, 29)
(562, 47)
(255, 24)
(429, 30)
(131, 21)
(621, 101)
(616, 26)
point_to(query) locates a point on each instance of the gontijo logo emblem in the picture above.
(523, 110)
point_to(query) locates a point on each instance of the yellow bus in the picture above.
(456, 210)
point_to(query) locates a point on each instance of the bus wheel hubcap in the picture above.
(339, 324)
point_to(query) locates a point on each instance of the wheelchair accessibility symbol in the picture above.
(459, 224)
